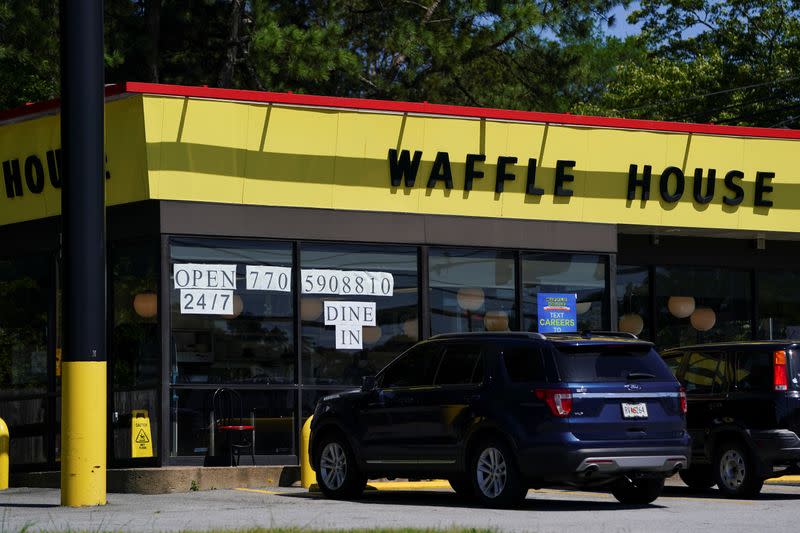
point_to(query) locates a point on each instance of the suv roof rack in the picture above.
(521, 334)
(589, 333)
(622, 334)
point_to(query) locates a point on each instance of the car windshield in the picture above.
(611, 363)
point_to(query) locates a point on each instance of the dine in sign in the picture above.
(557, 312)
(349, 318)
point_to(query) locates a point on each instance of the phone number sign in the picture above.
(557, 312)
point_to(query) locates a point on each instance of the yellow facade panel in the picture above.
(278, 155)
(361, 174)
(126, 161)
(30, 186)
(456, 138)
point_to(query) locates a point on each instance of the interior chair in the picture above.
(229, 421)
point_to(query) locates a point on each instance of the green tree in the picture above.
(528, 54)
(28, 51)
(735, 62)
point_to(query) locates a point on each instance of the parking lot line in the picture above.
(260, 491)
(784, 479)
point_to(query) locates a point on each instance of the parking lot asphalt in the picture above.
(396, 505)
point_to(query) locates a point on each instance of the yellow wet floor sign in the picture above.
(141, 441)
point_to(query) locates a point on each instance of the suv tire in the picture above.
(496, 480)
(735, 470)
(698, 477)
(337, 472)
(638, 491)
(463, 487)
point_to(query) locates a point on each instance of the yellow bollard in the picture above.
(83, 433)
(308, 477)
(5, 437)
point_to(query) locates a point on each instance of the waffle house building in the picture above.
(284, 246)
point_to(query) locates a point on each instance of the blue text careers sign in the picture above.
(556, 312)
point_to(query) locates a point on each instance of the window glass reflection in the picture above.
(254, 344)
(697, 305)
(778, 309)
(25, 286)
(633, 300)
(135, 339)
(396, 321)
(584, 275)
(471, 290)
(24, 289)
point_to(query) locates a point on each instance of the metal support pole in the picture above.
(83, 382)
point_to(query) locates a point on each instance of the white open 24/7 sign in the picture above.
(205, 289)
(208, 289)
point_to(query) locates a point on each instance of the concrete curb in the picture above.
(174, 479)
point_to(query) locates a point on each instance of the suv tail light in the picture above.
(781, 379)
(682, 397)
(558, 400)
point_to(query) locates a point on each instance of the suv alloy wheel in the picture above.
(735, 471)
(495, 477)
(338, 474)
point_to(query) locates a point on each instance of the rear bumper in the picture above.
(605, 464)
(576, 464)
(777, 447)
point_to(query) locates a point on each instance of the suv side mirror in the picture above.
(368, 383)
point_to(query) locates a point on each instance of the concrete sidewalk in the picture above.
(394, 504)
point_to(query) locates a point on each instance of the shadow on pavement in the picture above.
(29, 505)
(449, 499)
(714, 493)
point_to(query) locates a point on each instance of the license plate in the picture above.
(634, 410)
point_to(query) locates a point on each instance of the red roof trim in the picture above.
(50, 105)
(417, 108)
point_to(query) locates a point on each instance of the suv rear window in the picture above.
(524, 363)
(755, 370)
(611, 363)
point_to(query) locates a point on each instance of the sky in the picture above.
(621, 27)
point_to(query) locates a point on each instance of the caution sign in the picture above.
(141, 441)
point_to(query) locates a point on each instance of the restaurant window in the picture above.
(778, 309)
(232, 327)
(195, 425)
(380, 277)
(633, 300)
(25, 292)
(471, 290)
(223, 332)
(582, 275)
(697, 305)
(135, 343)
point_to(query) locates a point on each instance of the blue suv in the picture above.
(499, 413)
